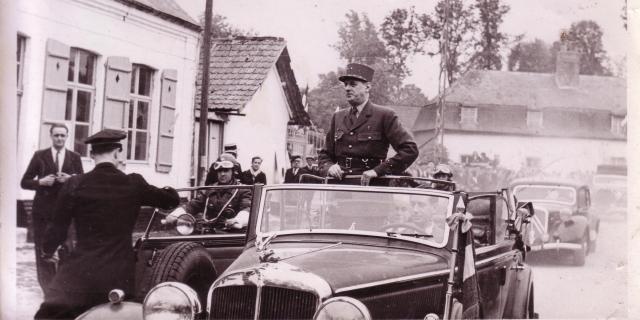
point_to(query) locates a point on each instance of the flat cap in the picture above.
(295, 157)
(357, 71)
(106, 136)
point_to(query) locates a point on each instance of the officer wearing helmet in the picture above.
(229, 206)
(443, 172)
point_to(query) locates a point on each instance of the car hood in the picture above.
(343, 265)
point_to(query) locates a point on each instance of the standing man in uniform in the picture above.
(359, 137)
(48, 170)
(103, 204)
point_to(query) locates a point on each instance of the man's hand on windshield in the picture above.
(335, 171)
(366, 177)
(173, 216)
(239, 221)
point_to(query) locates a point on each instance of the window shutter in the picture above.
(167, 120)
(116, 94)
(54, 98)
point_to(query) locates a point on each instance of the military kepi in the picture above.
(106, 139)
(357, 71)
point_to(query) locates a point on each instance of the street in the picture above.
(597, 290)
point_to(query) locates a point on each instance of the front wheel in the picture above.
(579, 256)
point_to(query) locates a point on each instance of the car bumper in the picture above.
(122, 311)
(556, 246)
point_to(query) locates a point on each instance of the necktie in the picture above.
(58, 161)
(353, 115)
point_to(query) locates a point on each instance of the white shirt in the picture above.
(60, 157)
(254, 173)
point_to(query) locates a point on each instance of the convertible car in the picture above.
(564, 222)
(325, 251)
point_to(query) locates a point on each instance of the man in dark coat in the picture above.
(292, 175)
(104, 205)
(254, 174)
(358, 139)
(48, 170)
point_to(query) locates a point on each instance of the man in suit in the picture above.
(104, 205)
(358, 139)
(292, 175)
(254, 174)
(311, 167)
(48, 170)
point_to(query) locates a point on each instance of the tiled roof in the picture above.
(239, 66)
(538, 91)
(165, 9)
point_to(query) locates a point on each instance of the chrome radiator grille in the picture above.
(238, 302)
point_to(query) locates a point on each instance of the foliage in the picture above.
(358, 40)
(403, 37)
(220, 28)
(533, 56)
(586, 37)
(458, 36)
(491, 40)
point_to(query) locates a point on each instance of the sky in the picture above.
(310, 27)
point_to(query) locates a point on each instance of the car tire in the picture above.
(186, 262)
(579, 256)
(592, 244)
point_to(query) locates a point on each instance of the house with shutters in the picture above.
(121, 64)
(555, 122)
(253, 100)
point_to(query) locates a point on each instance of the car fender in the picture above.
(517, 302)
(573, 231)
(122, 311)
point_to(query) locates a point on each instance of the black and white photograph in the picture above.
(319, 159)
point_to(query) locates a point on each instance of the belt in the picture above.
(358, 163)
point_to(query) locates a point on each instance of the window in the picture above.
(80, 97)
(468, 115)
(534, 119)
(618, 124)
(22, 41)
(138, 115)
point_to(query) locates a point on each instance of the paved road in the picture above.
(596, 290)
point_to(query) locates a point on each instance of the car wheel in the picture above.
(579, 256)
(592, 244)
(185, 262)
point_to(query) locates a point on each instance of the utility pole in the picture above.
(204, 94)
(444, 80)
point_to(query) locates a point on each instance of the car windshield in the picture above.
(621, 180)
(420, 216)
(545, 193)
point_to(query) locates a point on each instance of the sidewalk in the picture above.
(29, 294)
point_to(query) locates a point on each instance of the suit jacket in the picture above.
(370, 136)
(41, 165)
(103, 205)
(247, 178)
(289, 177)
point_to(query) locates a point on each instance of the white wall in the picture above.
(109, 28)
(562, 154)
(263, 131)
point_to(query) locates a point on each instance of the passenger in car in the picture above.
(228, 206)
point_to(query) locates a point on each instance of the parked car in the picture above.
(564, 222)
(320, 251)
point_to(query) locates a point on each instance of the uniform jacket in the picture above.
(369, 137)
(217, 198)
(289, 177)
(41, 165)
(103, 204)
(247, 178)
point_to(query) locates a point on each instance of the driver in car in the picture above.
(227, 206)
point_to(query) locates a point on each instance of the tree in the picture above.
(533, 56)
(359, 41)
(459, 32)
(491, 40)
(220, 28)
(403, 37)
(586, 37)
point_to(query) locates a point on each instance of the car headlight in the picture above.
(185, 224)
(342, 308)
(171, 300)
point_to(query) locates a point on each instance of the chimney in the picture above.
(567, 69)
